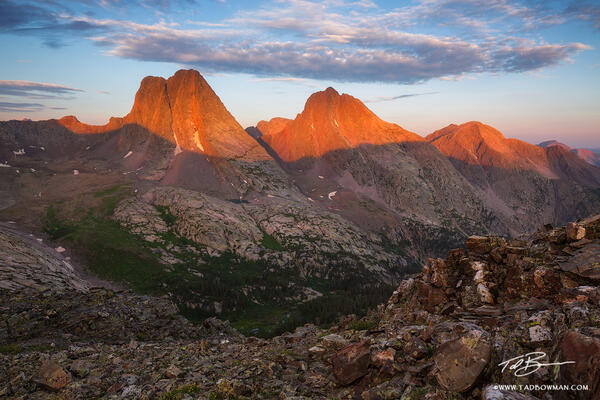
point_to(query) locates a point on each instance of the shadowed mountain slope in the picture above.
(526, 185)
(592, 156)
(337, 145)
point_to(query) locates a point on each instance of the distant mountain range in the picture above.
(177, 198)
(590, 155)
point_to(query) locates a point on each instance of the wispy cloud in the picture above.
(20, 107)
(36, 90)
(289, 79)
(401, 96)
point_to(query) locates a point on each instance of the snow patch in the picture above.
(75, 172)
(310, 199)
(128, 154)
(197, 141)
(60, 249)
(2, 165)
(330, 195)
(19, 152)
(321, 177)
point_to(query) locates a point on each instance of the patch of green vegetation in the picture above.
(53, 226)
(261, 320)
(269, 242)
(216, 396)
(111, 252)
(180, 392)
(166, 215)
(11, 349)
(259, 299)
(326, 310)
(430, 351)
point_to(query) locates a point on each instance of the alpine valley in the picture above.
(288, 222)
(173, 254)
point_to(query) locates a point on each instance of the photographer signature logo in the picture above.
(529, 363)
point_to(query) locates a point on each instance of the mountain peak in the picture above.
(331, 91)
(550, 143)
(475, 143)
(472, 132)
(184, 110)
(330, 121)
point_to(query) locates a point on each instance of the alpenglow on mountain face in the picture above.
(300, 215)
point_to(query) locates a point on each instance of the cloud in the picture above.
(401, 96)
(37, 20)
(586, 12)
(396, 57)
(298, 81)
(338, 40)
(20, 107)
(36, 90)
(521, 59)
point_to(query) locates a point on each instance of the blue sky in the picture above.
(529, 68)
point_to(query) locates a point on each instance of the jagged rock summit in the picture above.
(330, 122)
(184, 110)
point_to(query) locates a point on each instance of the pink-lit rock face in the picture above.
(329, 122)
(186, 111)
(474, 143)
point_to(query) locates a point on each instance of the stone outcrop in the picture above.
(25, 264)
(436, 338)
(309, 240)
(52, 376)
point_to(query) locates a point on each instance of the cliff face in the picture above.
(185, 111)
(330, 122)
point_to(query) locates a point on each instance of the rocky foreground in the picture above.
(444, 334)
